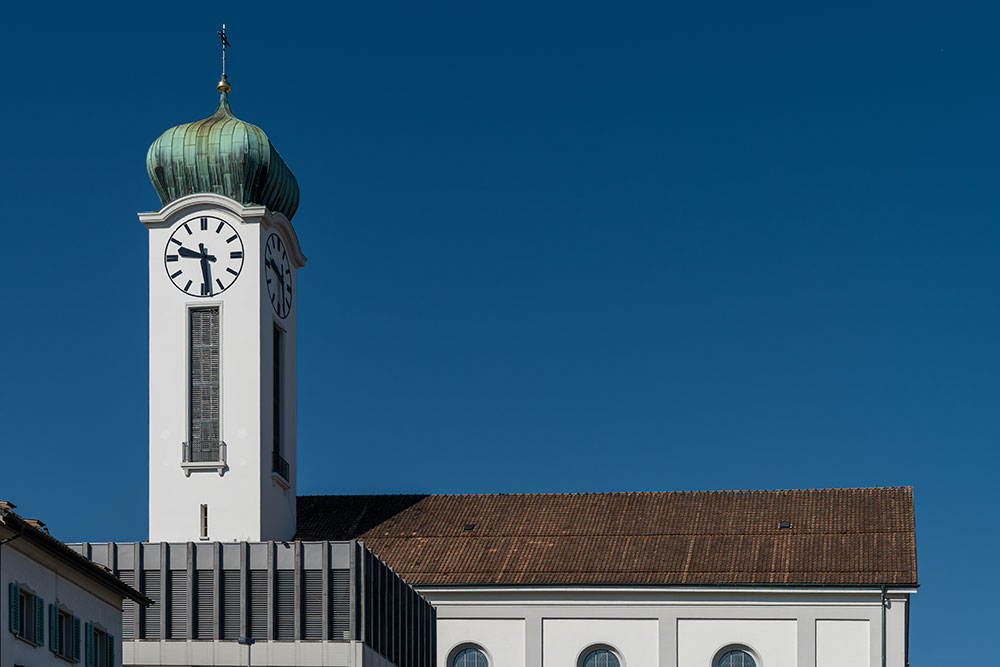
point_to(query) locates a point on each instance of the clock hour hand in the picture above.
(184, 252)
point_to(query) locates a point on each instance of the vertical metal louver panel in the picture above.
(178, 605)
(340, 604)
(257, 580)
(285, 604)
(204, 594)
(151, 615)
(230, 604)
(312, 606)
(204, 390)
(129, 608)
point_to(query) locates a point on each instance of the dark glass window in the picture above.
(736, 658)
(601, 657)
(469, 657)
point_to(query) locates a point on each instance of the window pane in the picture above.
(470, 657)
(602, 657)
(737, 658)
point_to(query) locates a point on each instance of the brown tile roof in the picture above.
(837, 536)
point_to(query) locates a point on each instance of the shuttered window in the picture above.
(177, 610)
(151, 614)
(204, 390)
(204, 599)
(258, 603)
(230, 604)
(285, 604)
(312, 606)
(340, 612)
(128, 606)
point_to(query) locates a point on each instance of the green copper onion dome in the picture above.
(224, 155)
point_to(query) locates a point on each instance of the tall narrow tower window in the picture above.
(204, 441)
(277, 354)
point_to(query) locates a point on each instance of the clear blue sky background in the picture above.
(553, 247)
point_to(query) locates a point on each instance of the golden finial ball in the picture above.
(223, 85)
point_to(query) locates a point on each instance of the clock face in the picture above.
(204, 256)
(278, 275)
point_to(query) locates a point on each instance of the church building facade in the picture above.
(796, 578)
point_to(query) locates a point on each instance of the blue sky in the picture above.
(552, 247)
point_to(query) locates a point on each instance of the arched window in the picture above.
(736, 657)
(600, 657)
(469, 657)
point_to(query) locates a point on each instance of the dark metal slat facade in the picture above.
(279, 591)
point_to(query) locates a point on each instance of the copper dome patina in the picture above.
(224, 155)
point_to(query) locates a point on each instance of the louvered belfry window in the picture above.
(204, 390)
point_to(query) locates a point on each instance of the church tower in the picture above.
(223, 257)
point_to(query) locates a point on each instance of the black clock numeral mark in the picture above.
(236, 254)
(204, 224)
(219, 228)
(188, 286)
(268, 281)
(173, 240)
(230, 270)
(232, 238)
(221, 286)
(171, 258)
(174, 275)
(188, 229)
(272, 298)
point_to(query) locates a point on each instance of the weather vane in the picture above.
(225, 44)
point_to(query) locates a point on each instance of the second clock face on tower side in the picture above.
(278, 275)
(204, 256)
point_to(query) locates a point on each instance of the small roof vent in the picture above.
(785, 524)
(469, 526)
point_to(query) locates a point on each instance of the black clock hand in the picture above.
(206, 274)
(184, 252)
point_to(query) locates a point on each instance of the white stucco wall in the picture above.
(567, 639)
(772, 642)
(42, 575)
(501, 638)
(671, 627)
(245, 503)
(843, 642)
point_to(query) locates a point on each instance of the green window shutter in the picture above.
(39, 637)
(53, 628)
(76, 639)
(15, 606)
(111, 651)
(88, 641)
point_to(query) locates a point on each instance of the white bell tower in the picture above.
(223, 258)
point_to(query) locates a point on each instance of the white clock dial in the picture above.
(204, 256)
(278, 275)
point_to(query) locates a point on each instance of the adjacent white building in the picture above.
(58, 606)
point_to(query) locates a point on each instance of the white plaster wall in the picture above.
(689, 625)
(565, 640)
(501, 638)
(772, 641)
(41, 574)
(842, 642)
(245, 503)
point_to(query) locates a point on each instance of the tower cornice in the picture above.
(208, 201)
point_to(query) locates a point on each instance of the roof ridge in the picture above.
(607, 493)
